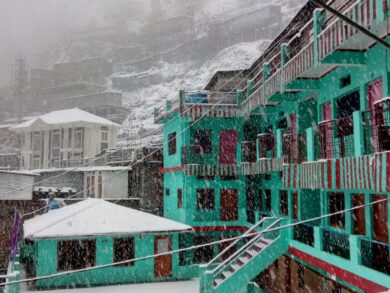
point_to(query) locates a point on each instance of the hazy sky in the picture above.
(32, 25)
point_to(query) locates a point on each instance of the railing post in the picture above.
(238, 97)
(279, 143)
(380, 11)
(358, 133)
(168, 105)
(354, 248)
(310, 144)
(249, 87)
(284, 54)
(257, 148)
(318, 22)
(317, 238)
(266, 71)
(206, 280)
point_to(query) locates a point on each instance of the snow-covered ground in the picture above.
(191, 286)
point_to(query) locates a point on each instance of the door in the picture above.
(327, 134)
(375, 94)
(228, 146)
(229, 205)
(163, 263)
(358, 215)
(380, 253)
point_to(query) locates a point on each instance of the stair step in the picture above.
(217, 282)
(243, 259)
(227, 274)
(235, 266)
(251, 252)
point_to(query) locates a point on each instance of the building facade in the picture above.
(64, 138)
(307, 137)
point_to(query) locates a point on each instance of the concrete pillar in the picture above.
(358, 136)
(318, 21)
(348, 216)
(323, 206)
(279, 143)
(354, 248)
(368, 215)
(249, 87)
(257, 149)
(317, 238)
(310, 144)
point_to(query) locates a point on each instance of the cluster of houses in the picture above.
(305, 136)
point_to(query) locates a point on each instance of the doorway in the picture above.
(162, 263)
(227, 147)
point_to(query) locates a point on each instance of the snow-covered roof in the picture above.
(93, 217)
(74, 115)
(20, 172)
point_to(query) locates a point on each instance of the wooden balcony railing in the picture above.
(302, 52)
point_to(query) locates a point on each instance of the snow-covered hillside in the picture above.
(188, 76)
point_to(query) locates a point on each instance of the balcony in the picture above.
(200, 104)
(375, 255)
(376, 128)
(308, 48)
(267, 145)
(205, 161)
(294, 148)
(248, 151)
(336, 138)
(336, 242)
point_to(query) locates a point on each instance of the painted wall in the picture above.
(142, 271)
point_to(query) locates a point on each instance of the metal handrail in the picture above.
(244, 247)
(237, 240)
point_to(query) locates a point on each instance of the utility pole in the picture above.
(19, 84)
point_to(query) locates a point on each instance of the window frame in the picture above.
(126, 247)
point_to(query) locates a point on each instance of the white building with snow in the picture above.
(64, 138)
(16, 185)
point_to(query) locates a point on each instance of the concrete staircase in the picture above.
(237, 270)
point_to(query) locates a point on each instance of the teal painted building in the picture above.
(306, 136)
(94, 232)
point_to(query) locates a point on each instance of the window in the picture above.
(345, 81)
(205, 199)
(172, 143)
(103, 146)
(205, 177)
(69, 137)
(55, 144)
(228, 177)
(203, 254)
(202, 139)
(104, 133)
(79, 138)
(283, 202)
(337, 204)
(124, 249)
(75, 254)
(167, 192)
(62, 137)
(179, 198)
(267, 200)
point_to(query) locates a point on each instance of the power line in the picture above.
(265, 231)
